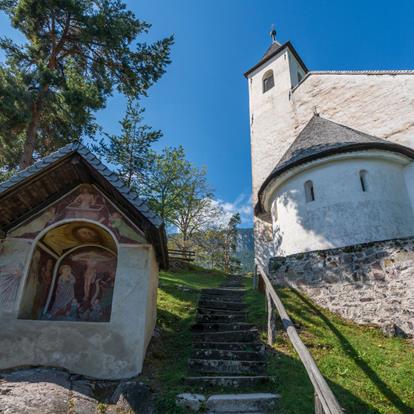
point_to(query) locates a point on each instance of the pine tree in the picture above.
(76, 53)
(130, 152)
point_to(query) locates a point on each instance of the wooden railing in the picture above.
(184, 255)
(325, 401)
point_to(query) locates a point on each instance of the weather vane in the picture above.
(273, 33)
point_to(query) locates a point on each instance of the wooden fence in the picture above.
(183, 255)
(325, 401)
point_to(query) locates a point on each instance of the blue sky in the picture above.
(202, 101)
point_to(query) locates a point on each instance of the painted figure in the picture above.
(91, 259)
(96, 313)
(118, 223)
(65, 291)
(37, 225)
(85, 199)
(73, 313)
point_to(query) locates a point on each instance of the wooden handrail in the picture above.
(325, 400)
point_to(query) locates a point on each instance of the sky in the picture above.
(202, 100)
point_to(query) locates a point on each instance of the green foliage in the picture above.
(179, 193)
(367, 371)
(76, 53)
(130, 151)
(167, 177)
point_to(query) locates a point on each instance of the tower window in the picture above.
(268, 81)
(300, 77)
(363, 180)
(309, 191)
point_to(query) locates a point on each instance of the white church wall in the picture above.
(268, 119)
(342, 214)
(378, 104)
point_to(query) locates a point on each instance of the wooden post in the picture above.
(318, 405)
(271, 318)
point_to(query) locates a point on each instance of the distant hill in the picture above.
(245, 249)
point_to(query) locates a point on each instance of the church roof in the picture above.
(321, 138)
(273, 50)
(39, 185)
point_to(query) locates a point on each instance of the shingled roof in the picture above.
(321, 138)
(273, 50)
(45, 181)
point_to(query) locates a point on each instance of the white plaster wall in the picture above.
(151, 315)
(379, 104)
(110, 350)
(342, 214)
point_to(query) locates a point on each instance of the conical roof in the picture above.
(274, 47)
(321, 138)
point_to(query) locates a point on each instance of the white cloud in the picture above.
(242, 204)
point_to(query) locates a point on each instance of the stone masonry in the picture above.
(371, 283)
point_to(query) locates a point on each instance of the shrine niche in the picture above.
(79, 261)
(71, 275)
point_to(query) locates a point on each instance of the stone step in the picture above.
(220, 327)
(226, 354)
(215, 311)
(227, 336)
(252, 346)
(233, 381)
(224, 292)
(220, 318)
(242, 403)
(221, 366)
(215, 304)
(216, 298)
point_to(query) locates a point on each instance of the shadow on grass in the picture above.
(350, 351)
(296, 390)
(290, 377)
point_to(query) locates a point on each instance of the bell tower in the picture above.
(270, 84)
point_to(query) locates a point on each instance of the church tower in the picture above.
(272, 120)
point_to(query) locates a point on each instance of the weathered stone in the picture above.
(135, 397)
(191, 402)
(375, 289)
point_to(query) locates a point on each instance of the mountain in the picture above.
(245, 249)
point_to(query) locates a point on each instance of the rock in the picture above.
(34, 391)
(133, 396)
(189, 401)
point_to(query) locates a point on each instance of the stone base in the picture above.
(370, 283)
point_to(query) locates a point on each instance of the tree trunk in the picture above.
(29, 145)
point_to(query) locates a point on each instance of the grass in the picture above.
(367, 371)
(166, 361)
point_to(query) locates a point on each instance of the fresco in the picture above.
(63, 238)
(83, 286)
(12, 254)
(87, 203)
(38, 284)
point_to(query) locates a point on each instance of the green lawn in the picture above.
(368, 372)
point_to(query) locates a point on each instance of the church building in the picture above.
(333, 184)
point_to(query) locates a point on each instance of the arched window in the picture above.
(268, 81)
(309, 191)
(363, 180)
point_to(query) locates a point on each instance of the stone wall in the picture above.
(371, 283)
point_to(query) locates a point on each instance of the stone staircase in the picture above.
(227, 352)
